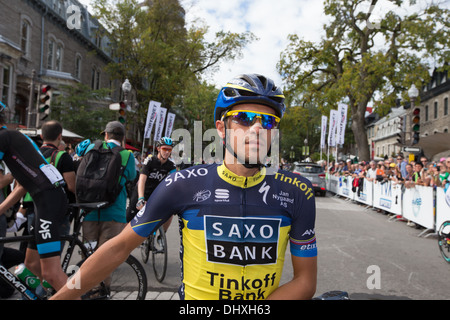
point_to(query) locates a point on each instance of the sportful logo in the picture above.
(241, 241)
(222, 195)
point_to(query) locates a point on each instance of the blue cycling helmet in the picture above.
(250, 88)
(80, 149)
(165, 141)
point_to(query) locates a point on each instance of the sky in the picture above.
(271, 21)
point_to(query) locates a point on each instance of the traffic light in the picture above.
(122, 112)
(401, 132)
(45, 98)
(416, 126)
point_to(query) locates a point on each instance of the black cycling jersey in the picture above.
(155, 172)
(43, 181)
(26, 162)
(234, 229)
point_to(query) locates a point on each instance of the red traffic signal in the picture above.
(122, 112)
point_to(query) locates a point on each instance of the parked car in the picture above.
(314, 173)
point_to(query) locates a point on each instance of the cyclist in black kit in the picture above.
(236, 218)
(153, 171)
(45, 185)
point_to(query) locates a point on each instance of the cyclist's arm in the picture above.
(141, 185)
(5, 179)
(12, 198)
(303, 284)
(101, 264)
(70, 178)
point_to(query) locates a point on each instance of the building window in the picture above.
(95, 78)
(25, 38)
(78, 67)
(58, 57)
(445, 106)
(51, 48)
(5, 85)
(426, 113)
(436, 109)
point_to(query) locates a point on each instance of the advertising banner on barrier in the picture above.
(418, 206)
(333, 183)
(442, 206)
(388, 196)
(345, 187)
(364, 193)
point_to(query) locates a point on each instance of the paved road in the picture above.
(360, 251)
(355, 246)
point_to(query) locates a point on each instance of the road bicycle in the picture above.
(157, 244)
(127, 282)
(444, 240)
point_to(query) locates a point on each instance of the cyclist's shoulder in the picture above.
(194, 174)
(292, 181)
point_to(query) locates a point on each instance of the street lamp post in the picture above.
(413, 93)
(126, 88)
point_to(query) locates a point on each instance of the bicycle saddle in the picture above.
(89, 205)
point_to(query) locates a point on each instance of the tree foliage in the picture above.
(161, 57)
(79, 110)
(359, 62)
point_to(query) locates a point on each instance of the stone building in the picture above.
(61, 42)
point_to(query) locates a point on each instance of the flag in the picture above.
(323, 132)
(341, 123)
(169, 124)
(160, 123)
(152, 113)
(332, 129)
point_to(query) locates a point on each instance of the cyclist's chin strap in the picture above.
(244, 162)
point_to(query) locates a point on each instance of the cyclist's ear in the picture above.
(220, 126)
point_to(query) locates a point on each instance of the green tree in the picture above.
(358, 62)
(154, 50)
(79, 110)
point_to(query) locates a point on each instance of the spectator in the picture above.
(371, 172)
(401, 163)
(418, 175)
(100, 226)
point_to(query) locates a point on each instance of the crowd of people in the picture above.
(399, 170)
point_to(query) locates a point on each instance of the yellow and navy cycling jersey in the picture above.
(234, 229)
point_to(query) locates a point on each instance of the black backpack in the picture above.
(100, 172)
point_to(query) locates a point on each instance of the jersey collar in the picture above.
(240, 181)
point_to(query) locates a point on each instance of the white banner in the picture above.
(418, 206)
(364, 193)
(442, 206)
(324, 132)
(152, 113)
(160, 123)
(388, 196)
(341, 123)
(332, 131)
(169, 124)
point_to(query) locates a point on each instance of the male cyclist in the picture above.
(45, 184)
(155, 169)
(235, 218)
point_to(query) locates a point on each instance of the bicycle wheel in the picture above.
(159, 254)
(127, 282)
(444, 240)
(145, 249)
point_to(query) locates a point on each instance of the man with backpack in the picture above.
(106, 164)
